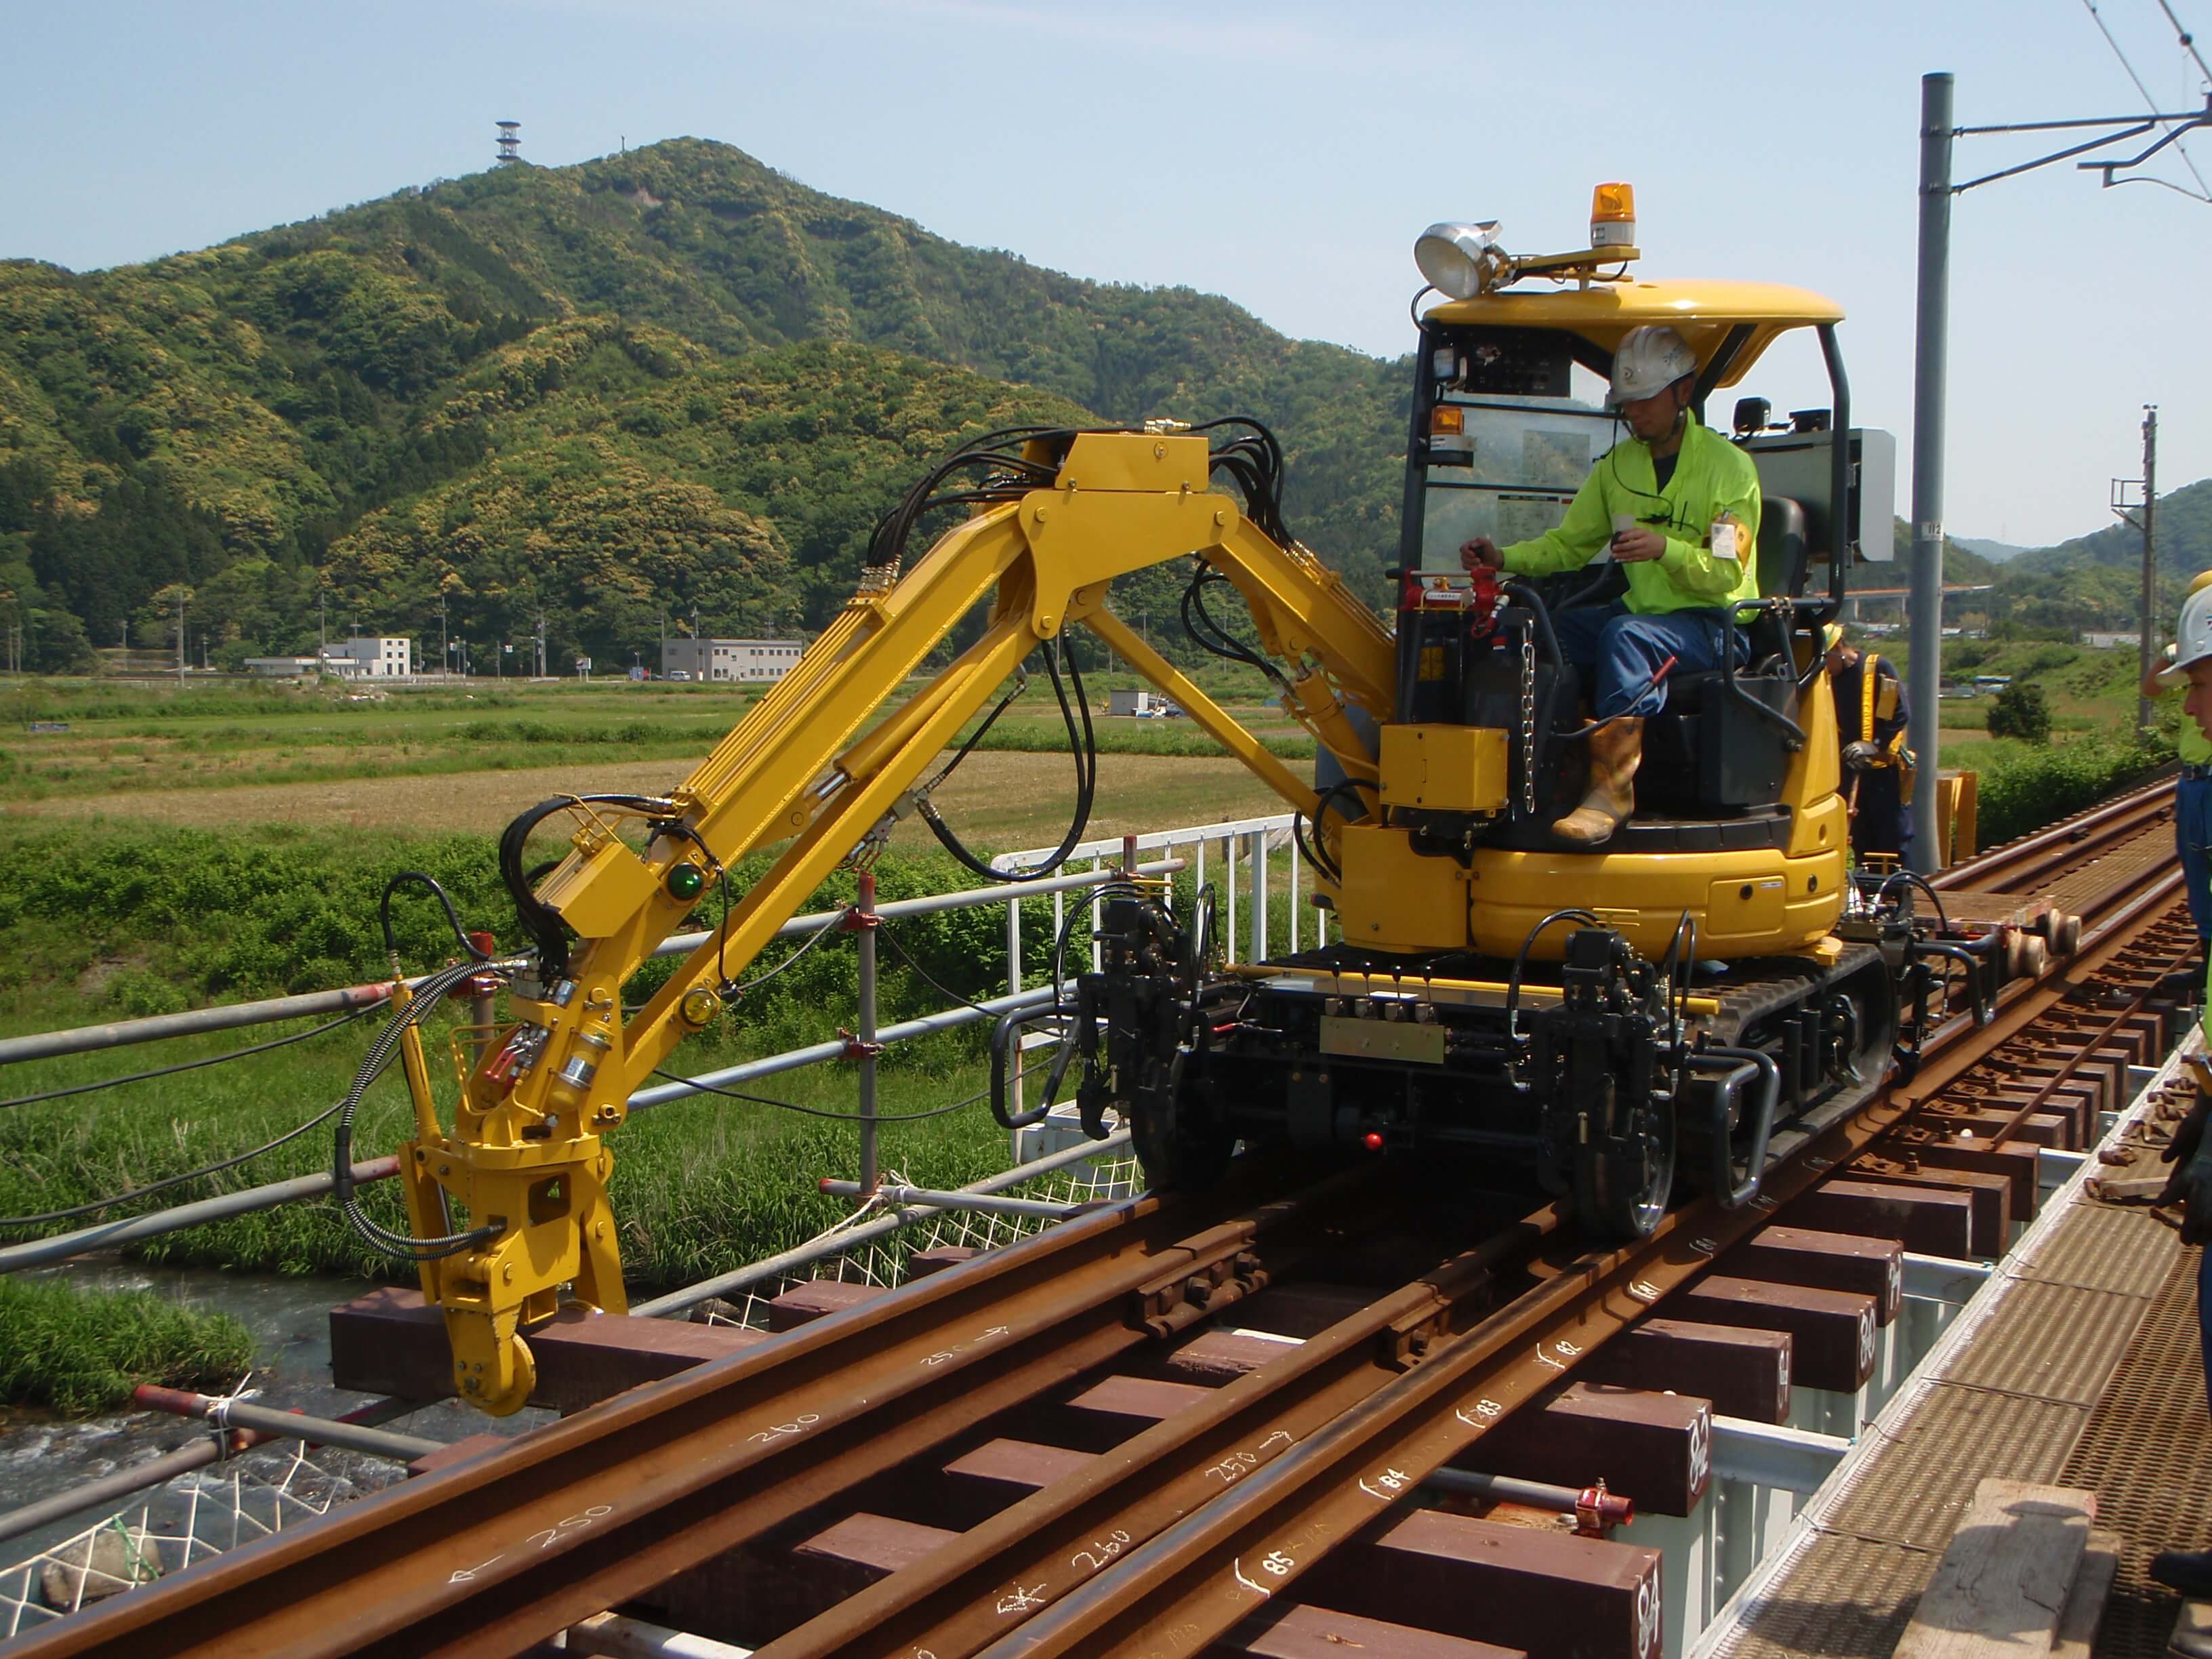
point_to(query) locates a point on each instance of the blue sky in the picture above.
(1284, 154)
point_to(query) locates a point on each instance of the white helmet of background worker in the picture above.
(1647, 361)
(2192, 640)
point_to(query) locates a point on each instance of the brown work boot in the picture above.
(1614, 750)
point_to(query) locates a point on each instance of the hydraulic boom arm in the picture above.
(526, 1157)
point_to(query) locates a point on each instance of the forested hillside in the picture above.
(2096, 581)
(672, 378)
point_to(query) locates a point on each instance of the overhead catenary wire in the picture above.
(2204, 191)
(2187, 41)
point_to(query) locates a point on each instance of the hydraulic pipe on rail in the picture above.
(937, 1198)
(121, 1033)
(225, 1412)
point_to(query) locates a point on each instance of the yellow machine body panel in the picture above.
(1702, 313)
(1444, 768)
(1745, 904)
(1772, 901)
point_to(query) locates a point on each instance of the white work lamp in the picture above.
(1455, 259)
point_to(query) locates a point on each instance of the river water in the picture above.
(289, 1318)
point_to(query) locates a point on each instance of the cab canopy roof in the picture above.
(1705, 313)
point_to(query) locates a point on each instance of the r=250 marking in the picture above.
(571, 1523)
(799, 1425)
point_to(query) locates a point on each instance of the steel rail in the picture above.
(1948, 1055)
(2068, 841)
(948, 1604)
(1200, 1578)
(506, 1549)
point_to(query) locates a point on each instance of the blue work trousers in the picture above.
(2192, 838)
(1619, 652)
(2204, 1317)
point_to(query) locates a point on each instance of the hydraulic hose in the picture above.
(1736, 1068)
(386, 1044)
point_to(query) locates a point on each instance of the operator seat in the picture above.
(1706, 754)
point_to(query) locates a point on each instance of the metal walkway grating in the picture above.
(2145, 1452)
(2080, 1369)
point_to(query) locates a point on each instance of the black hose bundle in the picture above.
(1254, 463)
(427, 997)
(1083, 744)
(1005, 475)
(540, 924)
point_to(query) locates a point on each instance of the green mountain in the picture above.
(2096, 581)
(669, 379)
(1994, 552)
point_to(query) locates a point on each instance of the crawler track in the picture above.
(1078, 1444)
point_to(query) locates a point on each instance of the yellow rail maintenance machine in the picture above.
(1574, 1016)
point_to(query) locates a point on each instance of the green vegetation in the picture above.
(2023, 787)
(671, 378)
(80, 1352)
(110, 922)
(2020, 711)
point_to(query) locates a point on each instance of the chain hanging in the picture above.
(1527, 632)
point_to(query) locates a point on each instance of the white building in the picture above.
(728, 660)
(281, 668)
(377, 657)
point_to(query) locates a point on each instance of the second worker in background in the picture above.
(1677, 506)
(1871, 718)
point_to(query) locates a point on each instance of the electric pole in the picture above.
(2147, 652)
(1937, 139)
(444, 644)
(322, 627)
(181, 635)
(1930, 367)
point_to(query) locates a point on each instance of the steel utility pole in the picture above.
(2148, 652)
(1937, 136)
(181, 635)
(1930, 367)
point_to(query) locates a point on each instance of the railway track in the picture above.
(1272, 1419)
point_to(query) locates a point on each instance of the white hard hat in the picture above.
(1647, 360)
(2193, 638)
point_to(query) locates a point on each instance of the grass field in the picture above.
(213, 755)
(111, 920)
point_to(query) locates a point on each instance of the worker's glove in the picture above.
(2190, 1183)
(1858, 757)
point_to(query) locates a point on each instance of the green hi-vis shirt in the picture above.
(1711, 477)
(2196, 749)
